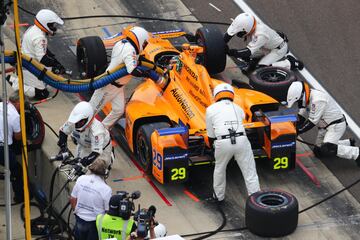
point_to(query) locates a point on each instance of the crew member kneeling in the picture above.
(225, 129)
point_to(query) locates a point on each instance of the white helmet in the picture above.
(295, 92)
(81, 115)
(138, 35)
(223, 90)
(46, 20)
(243, 24)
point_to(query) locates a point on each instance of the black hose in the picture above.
(129, 16)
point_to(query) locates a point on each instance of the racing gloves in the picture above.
(62, 143)
(141, 71)
(86, 161)
(244, 53)
(49, 60)
(306, 126)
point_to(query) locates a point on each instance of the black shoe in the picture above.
(295, 64)
(214, 199)
(18, 199)
(358, 161)
(8, 79)
(352, 142)
(41, 94)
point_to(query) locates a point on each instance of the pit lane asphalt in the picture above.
(321, 34)
(336, 210)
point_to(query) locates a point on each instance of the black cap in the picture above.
(114, 205)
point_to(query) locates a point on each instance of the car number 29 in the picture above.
(281, 162)
(178, 174)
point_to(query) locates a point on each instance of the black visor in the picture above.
(81, 123)
(52, 26)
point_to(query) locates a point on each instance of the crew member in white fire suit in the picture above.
(265, 43)
(226, 132)
(125, 52)
(92, 138)
(35, 45)
(323, 112)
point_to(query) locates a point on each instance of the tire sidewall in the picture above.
(271, 220)
(277, 90)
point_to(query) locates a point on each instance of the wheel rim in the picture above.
(143, 152)
(273, 76)
(272, 200)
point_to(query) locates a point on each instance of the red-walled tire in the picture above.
(272, 213)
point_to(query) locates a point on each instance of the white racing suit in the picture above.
(123, 52)
(331, 123)
(267, 43)
(220, 117)
(95, 138)
(34, 44)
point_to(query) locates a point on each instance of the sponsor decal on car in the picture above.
(183, 102)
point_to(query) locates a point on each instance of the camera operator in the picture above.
(89, 198)
(116, 223)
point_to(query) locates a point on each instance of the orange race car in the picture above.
(164, 126)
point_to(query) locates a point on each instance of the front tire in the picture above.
(143, 144)
(271, 213)
(273, 81)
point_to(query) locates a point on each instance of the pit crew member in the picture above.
(126, 51)
(322, 112)
(35, 45)
(226, 131)
(265, 43)
(92, 138)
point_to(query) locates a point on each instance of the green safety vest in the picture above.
(113, 227)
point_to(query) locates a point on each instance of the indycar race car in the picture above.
(164, 126)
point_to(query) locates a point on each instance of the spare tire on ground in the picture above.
(273, 81)
(272, 213)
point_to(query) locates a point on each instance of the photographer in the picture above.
(89, 198)
(116, 223)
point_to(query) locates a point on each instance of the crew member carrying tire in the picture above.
(324, 113)
(265, 43)
(226, 131)
(125, 52)
(92, 138)
(35, 45)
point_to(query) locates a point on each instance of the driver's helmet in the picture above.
(223, 91)
(137, 36)
(243, 25)
(47, 21)
(81, 116)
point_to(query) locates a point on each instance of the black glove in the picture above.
(79, 170)
(86, 161)
(301, 119)
(232, 52)
(306, 126)
(62, 143)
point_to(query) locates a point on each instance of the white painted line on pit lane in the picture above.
(308, 76)
(216, 8)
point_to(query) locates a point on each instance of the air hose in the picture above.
(73, 85)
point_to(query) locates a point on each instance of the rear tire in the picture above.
(271, 213)
(91, 56)
(143, 144)
(273, 81)
(214, 57)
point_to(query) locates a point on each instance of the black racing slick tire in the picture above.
(91, 56)
(272, 213)
(214, 56)
(143, 144)
(35, 129)
(273, 81)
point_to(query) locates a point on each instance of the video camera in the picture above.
(144, 217)
(126, 205)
